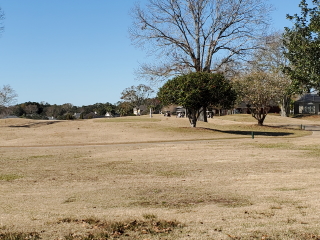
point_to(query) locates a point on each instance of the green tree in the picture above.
(137, 95)
(259, 90)
(154, 104)
(110, 108)
(302, 42)
(99, 109)
(196, 91)
(124, 108)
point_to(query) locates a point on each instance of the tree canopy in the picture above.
(302, 42)
(260, 90)
(195, 90)
(137, 95)
(270, 58)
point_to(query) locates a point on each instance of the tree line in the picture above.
(131, 97)
(67, 111)
(211, 53)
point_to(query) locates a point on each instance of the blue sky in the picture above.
(77, 51)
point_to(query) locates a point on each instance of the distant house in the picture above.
(245, 108)
(174, 109)
(142, 109)
(181, 111)
(9, 116)
(108, 114)
(76, 115)
(307, 104)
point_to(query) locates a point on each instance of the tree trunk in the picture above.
(260, 122)
(285, 106)
(203, 115)
(260, 115)
(205, 119)
(192, 115)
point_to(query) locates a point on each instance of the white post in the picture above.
(150, 112)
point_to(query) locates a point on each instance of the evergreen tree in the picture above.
(302, 42)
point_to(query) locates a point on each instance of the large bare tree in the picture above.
(196, 35)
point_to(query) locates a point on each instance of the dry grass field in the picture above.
(142, 178)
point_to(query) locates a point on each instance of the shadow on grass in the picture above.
(256, 133)
(36, 124)
(301, 116)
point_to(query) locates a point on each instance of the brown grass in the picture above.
(80, 179)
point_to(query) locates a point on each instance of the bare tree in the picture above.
(53, 111)
(137, 95)
(271, 58)
(196, 35)
(31, 109)
(7, 96)
(260, 90)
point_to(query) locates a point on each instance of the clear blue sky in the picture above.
(77, 51)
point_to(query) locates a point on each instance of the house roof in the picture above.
(309, 98)
(10, 116)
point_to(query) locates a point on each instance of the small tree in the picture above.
(110, 108)
(260, 90)
(31, 109)
(271, 58)
(195, 90)
(53, 111)
(154, 104)
(124, 108)
(100, 109)
(7, 96)
(137, 95)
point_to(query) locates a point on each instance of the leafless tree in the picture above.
(67, 107)
(31, 109)
(7, 96)
(270, 58)
(53, 111)
(260, 90)
(196, 35)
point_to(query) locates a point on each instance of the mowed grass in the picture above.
(22, 132)
(212, 182)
